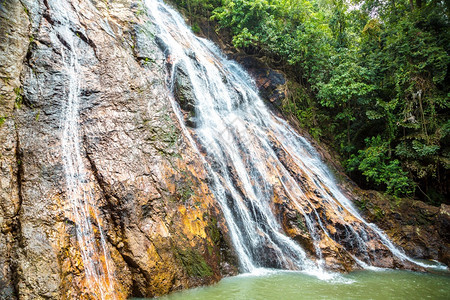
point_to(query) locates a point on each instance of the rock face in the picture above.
(14, 40)
(420, 229)
(162, 226)
(183, 88)
(163, 229)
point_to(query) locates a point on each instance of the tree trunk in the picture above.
(419, 4)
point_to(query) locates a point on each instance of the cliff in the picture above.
(142, 195)
(164, 232)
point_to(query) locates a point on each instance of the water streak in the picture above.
(253, 156)
(90, 236)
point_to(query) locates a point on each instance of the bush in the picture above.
(380, 169)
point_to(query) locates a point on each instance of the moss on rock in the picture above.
(194, 263)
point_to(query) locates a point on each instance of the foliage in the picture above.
(375, 163)
(370, 77)
(198, 8)
(292, 31)
(19, 98)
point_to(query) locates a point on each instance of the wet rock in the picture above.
(183, 88)
(338, 236)
(443, 221)
(271, 83)
(145, 45)
(419, 228)
(443, 224)
(130, 145)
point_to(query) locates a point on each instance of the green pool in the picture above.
(381, 284)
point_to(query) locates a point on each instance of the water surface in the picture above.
(384, 284)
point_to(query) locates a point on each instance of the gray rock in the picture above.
(14, 42)
(183, 88)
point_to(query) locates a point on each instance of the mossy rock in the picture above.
(214, 232)
(194, 263)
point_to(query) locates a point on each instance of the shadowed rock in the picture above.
(183, 88)
(271, 83)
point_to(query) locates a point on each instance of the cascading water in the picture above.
(253, 157)
(91, 240)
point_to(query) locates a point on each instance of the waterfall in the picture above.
(90, 236)
(252, 157)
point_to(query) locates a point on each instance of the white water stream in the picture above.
(242, 142)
